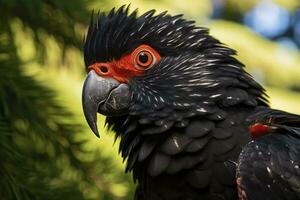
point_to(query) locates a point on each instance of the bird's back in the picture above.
(269, 166)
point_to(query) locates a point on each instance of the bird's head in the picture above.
(158, 66)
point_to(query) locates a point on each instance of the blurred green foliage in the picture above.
(46, 149)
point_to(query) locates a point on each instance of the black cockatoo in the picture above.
(192, 123)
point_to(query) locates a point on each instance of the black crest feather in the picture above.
(117, 33)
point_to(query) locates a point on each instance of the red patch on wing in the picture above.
(258, 129)
(127, 66)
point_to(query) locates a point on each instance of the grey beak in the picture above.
(95, 91)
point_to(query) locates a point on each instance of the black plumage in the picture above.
(268, 166)
(189, 114)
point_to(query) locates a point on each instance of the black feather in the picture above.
(187, 113)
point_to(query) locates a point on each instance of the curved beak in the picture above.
(104, 95)
(95, 91)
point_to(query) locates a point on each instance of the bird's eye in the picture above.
(145, 57)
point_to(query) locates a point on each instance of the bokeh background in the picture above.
(46, 149)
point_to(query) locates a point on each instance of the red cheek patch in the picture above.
(121, 70)
(258, 129)
(127, 66)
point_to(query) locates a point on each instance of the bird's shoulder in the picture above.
(268, 166)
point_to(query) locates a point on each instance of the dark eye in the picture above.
(144, 59)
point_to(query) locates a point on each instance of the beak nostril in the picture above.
(103, 69)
